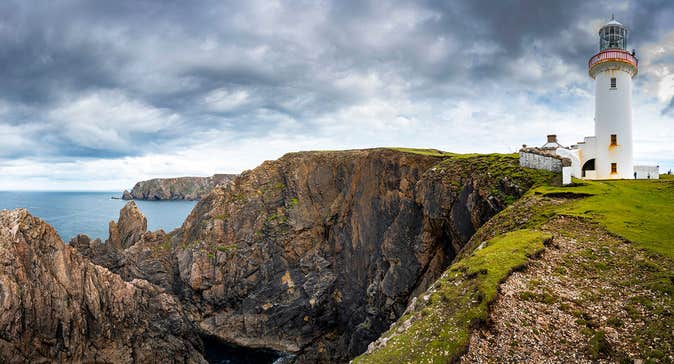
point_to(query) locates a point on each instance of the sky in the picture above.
(96, 95)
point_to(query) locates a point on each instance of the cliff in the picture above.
(181, 188)
(317, 253)
(59, 307)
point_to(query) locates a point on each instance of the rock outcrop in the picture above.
(181, 188)
(127, 195)
(98, 252)
(133, 252)
(59, 307)
(129, 229)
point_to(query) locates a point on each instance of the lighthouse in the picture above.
(609, 153)
(612, 70)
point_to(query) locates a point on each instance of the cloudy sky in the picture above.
(100, 94)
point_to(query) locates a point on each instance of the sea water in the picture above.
(72, 213)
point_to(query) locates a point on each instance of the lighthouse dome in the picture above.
(613, 22)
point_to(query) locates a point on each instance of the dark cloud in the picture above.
(298, 61)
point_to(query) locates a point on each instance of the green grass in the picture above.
(640, 211)
(429, 152)
(440, 153)
(440, 326)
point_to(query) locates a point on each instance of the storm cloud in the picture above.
(97, 94)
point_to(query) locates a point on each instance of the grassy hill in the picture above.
(640, 211)
(576, 273)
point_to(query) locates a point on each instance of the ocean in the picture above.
(72, 213)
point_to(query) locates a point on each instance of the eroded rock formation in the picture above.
(59, 307)
(132, 251)
(129, 229)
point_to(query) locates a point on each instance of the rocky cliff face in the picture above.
(181, 188)
(318, 253)
(59, 307)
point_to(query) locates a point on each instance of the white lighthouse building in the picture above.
(609, 153)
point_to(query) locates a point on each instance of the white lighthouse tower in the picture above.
(612, 69)
(608, 154)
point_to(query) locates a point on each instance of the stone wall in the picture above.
(542, 159)
(647, 172)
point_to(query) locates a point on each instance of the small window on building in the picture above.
(614, 167)
(614, 82)
(614, 139)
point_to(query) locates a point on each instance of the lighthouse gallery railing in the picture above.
(613, 55)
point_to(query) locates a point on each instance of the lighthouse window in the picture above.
(614, 167)
(613, 82)
(614, 139)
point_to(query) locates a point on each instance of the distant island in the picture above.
(179, 188)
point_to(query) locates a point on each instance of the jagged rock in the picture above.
(59, 307)
(129, 229)
(181, 188)
(132, 252)
(99, 253)
(127, 195)
(151, 258)
(130, 226)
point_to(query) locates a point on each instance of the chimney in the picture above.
(552, 138)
